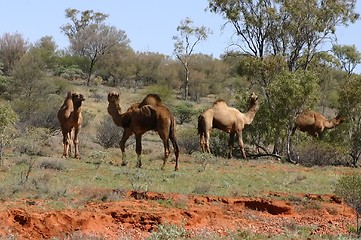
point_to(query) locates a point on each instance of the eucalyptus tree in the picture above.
(90, 37)
(7, 127)
(350, 102)
(293, 29)
(12, 48)
(275, 36)
(348, 57)
(46, 50)
(184, 44)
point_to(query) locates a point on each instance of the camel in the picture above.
(71, 119)
(314, 124)
(227, 119)
(141, 118)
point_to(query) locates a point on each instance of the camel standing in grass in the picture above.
(142, 117)
(227, 119)
(71, 119)
(314, 124)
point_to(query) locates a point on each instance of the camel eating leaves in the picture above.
(142, 117)
(71, 119)
(314, 123)
(227, 119)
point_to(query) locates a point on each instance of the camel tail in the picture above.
(172, 134)
(201, 125)
(173, 139)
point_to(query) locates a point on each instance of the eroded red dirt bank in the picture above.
(139, 213)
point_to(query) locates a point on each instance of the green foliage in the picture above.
(350, 100)
(184, 44)
(287, 94)
(188, 140)
(90, 37)
(8, 119)
(279, 31)
(349, 188)
(31, 141)
(348, 57)
(108, 134)
(163, 91)
(184, 112)
(168, 231)
(219, 143)
(320, 153)
(52, 164)
(72, 73)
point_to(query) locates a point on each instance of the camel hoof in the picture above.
(77, 157)
(124, 164)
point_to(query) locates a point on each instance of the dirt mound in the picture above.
(139, 213)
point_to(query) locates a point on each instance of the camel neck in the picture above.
(115, 111)
(331, 123)
(251, 113)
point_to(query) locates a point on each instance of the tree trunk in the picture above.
(186, 82)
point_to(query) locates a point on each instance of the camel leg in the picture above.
(207, 137)
(201, 142)
(230, 144)
(126, 134)
(166, 152)
(66, 144)
(176, 151)
(138, 149)
(76, 143)
(240, 143)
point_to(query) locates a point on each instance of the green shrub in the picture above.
(184, 112)
(107, 133)
(52, 164)
(168, 231)
(188, 140)
(31, 141)
(349, 188)
(318, 153)
(219, 143)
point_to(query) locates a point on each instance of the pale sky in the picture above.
(150, 25)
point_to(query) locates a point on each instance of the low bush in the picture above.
(188, 140)
(318, 153)
(107, 133)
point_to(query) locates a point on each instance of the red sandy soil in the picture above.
(139, 213)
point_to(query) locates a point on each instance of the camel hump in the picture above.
(220, 102)
(151, 99)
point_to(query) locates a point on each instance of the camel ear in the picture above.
(112, 94)
(254, 96)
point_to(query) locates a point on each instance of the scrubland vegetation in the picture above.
(287, 71)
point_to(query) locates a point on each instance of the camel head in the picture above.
(253, 98)
(77, 98)
(340, 118)
(253, 103)
(113, 97)
(113, 103)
